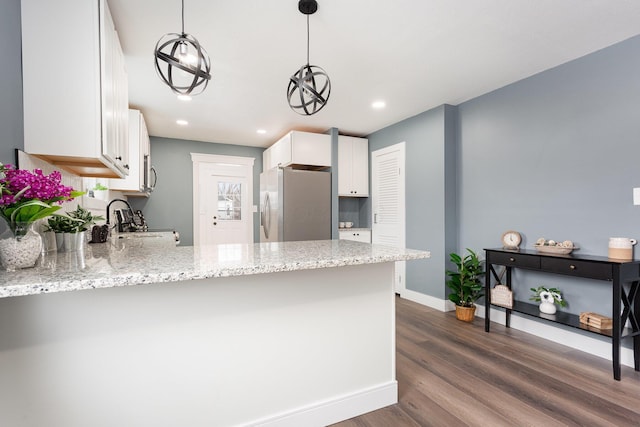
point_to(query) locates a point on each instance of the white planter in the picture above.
(547, 307)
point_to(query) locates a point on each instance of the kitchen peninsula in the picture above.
(293, 333)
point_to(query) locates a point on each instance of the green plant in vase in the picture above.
(548, 298)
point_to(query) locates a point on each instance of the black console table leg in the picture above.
(487, 296)
(635, 309)
(617, 327)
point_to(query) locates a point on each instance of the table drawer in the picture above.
(577, 268)
(515, 260)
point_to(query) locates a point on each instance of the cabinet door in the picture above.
(310, 149)
(281, 152)
(345, 159)
(353, 166)
(109, 94)
(360, 167)
(363, 236)
(138, 146)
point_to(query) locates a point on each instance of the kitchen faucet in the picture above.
(109, 209)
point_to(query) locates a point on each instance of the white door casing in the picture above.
(222, 199)
(388, 202)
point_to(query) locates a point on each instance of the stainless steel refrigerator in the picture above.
(295, 205)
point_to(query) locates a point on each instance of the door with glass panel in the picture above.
(225, 215)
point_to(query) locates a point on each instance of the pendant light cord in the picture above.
(182, 16)
(307, 39)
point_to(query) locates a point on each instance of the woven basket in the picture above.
(466, 314)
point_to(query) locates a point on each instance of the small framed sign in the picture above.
(501, 295)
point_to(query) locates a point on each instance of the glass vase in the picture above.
(20, 246)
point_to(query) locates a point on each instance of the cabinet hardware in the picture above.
(512, 259)
(118, 157)
(572, 267)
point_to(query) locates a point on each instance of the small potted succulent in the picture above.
(465, 284)
(548, 298)
(70, 229)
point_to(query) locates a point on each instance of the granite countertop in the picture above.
(139, 260)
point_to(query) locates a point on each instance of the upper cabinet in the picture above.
(353, 166)
(137, 183)
(75, 91)
(299, 148)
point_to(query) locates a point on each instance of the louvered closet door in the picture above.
(388, 201)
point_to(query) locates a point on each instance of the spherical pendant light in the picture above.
(309, 87)
(182, 63)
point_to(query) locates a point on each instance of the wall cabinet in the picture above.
(139, 158)
(353, 166)
(299, 148)
(357, 235)
(75, 90)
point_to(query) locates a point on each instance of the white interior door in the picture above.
(388, 201)
(223, 195)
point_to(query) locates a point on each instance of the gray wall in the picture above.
(11, 117)
(556, 156)
(430, 208)
(171, 204)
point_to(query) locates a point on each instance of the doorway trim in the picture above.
(200, 159)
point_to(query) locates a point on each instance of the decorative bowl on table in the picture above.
(552, 247)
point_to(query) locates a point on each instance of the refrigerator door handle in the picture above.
(266, 221)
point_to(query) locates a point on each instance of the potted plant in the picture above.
(548, 298)
(100, 192)
(70, 228)
(465, 284)
(25, 198)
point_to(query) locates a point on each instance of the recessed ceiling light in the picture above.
(182, 122)
(184, 97)
(378, 105)
(261, 131)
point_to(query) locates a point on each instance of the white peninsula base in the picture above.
(298, 348)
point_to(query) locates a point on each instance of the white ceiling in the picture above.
(413, 54)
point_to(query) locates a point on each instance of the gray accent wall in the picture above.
(171, 204)
(11, 116)
(430, 192)
(556, 155)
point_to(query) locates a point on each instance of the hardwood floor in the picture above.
(452, 373)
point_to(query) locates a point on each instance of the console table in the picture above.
(622, 276)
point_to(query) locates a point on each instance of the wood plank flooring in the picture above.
(452, 373)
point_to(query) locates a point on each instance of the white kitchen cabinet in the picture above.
(299, 148)
(357, 235)
(75, 92)
(139, 158)
(353, 166)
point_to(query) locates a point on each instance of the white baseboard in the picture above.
(336, 409)
(544, 330)
(427, 300)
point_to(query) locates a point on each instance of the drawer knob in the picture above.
(572, 267)
(512, 259)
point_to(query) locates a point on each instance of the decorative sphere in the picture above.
(182, 63)
(309, 90)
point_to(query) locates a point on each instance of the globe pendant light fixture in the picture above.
(182, 63)
(310, 87)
